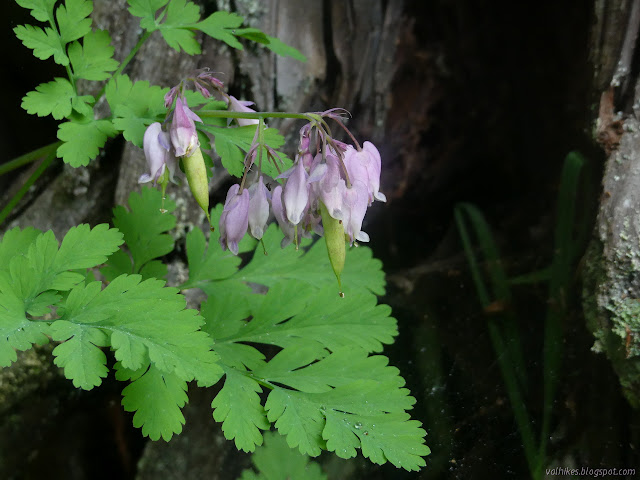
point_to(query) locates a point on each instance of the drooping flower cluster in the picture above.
(161, 148)
(343, 178)
(327, 190)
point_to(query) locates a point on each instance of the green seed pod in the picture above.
(196, 172)
(334, 236)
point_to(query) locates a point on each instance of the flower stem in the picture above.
(28, 158)
(256, 116)
(27, 185)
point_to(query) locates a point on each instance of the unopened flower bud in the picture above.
(334, 238)
(196, 171)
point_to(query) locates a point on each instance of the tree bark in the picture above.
(612, 263)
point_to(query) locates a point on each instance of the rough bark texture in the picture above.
(612, 283)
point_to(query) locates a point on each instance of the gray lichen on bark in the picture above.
(612, 263)
(612, 273)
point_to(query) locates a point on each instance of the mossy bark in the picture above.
(612, 263)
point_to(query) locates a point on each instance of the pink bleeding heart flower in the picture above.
(330, 187)
(258, 208)
(157, 153)
(234, 219)
(184, 135)
(281, 216)
(296, 193)
(356, 199)
(365, 165)
(236, 105)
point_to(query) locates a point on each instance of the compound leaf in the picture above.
(43, 267)
(16, 331)
(144, 226)
(40, 9)
(44, 43)
(145, 8)
(83, 362)
(73, 20)
(51, 98)
(312, 267)
(134, 106)
(157, 398)
(319, 316)
(220, 25)
(83, 141)
(367, 414)
(86, 247)
(275, 460)
(180, 16)
(16, 242)
(93, 60)
(239, 409)
(147, 324)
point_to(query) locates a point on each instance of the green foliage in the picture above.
(180, 15)
(326, 391)
(156, 398)
(134, 106)
(73, 19)
(275, 460)
(221, 26)
(144, 227)
(93, 60)
(232, 143)
(44, 43)
(41, 10)
(177, 20)
(308, 265)
(83, 141)
(54, 98)
(316, 381)
(157, 342)
(88, 55)
(37, 269)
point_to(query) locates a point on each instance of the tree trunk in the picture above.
(612, 264)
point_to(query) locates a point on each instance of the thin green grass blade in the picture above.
(28, 157)
(566, 250)
(539, 276)
(503, 335)
(6, 211)
(498, 282)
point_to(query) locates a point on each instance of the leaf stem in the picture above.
(28, 157)
(27, 185)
